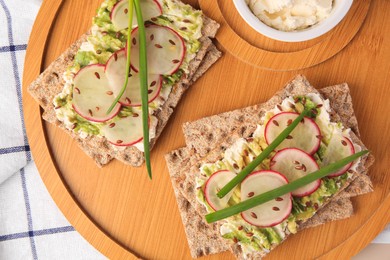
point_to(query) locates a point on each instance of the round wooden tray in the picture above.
(124, 214)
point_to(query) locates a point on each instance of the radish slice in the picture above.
(306, 136)
(115, 72)
(124, 132)
(339, 147)
(165, 48)
(213, 185)
(272, 212)
(92, 96)
(120, 14)
(294, 164)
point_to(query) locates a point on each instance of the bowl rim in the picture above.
(295, 36)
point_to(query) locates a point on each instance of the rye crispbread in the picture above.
(204, 238)
(221, 130)
(50, 83)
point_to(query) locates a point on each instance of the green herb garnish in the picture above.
(251, 166)
(143, 71)
(273, 194)
(130, 25)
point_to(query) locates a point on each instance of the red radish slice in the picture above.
(214, 184)
(165, 48)
(92, 95)
(272, 212)
(124, 132)
(120, 14)
(339, 147)
(294, 164)
(306, 136)
(115, 72)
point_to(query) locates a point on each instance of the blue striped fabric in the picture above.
(31, 226)
(13, 48)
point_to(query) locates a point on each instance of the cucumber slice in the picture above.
(306, 136)
(272, 212)
(124, 132)
(165, 49)
(92, 95)
(214, 184)
(120, 14)
(339, 147)
(115, 72)
(294, 164)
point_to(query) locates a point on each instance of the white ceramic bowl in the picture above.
(340, 9)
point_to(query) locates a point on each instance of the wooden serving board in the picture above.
(125, 215)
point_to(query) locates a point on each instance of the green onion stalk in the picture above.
(144, 84)
(143, 70)
(280, 191)
(267, 151)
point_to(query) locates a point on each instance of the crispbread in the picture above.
(204, 239)
(223, 129)
(227, 127)
(206, 133)
(50, 83)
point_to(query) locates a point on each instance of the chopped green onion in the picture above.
(130, 25)
(273, 194)
(251, 166)
(143, 71)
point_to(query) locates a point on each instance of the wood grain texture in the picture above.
(247, 45)
(121, 212)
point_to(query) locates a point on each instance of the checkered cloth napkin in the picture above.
(31, 225)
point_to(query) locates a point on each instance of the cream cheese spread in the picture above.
(291, 15)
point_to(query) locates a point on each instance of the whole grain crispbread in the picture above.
(210, 136)
(205, 134)
(222, 130)
(204, 239)
(50, 83)
(340, 208)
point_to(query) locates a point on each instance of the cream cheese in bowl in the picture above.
(292, 20)
(291, 15)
